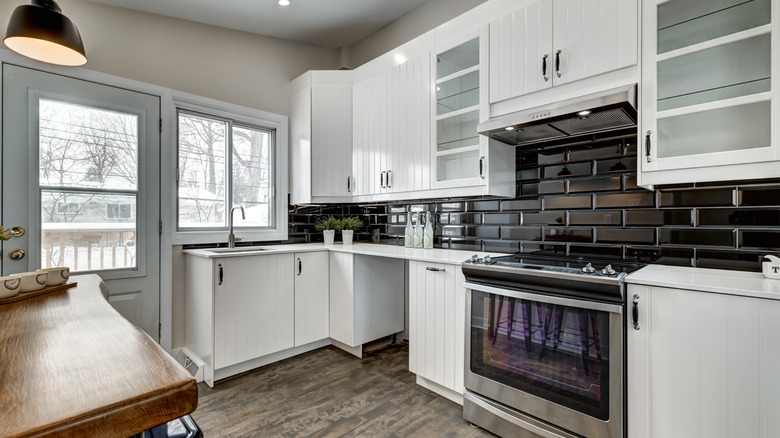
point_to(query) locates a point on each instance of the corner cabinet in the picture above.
(461, 158)
(709, 91)
(321, 137)
(702, 364)
(437, 327)
(547, 43)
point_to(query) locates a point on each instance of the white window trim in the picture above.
(251, 117)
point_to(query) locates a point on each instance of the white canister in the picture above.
(57, 276)
(9, 286)
(771, 268)
(31, 281)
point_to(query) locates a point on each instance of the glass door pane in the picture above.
(88, 178)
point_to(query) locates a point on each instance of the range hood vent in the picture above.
(591, 114)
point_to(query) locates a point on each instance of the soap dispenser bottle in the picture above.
(428, 232)
(408, 232)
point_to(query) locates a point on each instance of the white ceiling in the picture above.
(327, 23)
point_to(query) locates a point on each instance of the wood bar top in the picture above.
(71, 366)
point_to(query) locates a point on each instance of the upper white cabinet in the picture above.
(321, 137)
(709, 91)
(392, 127)
(702, 364)
(462, 158)
(547, 43)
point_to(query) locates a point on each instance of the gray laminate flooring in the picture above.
(330, 393)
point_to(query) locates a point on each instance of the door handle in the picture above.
(221, 273)
(349, 185)
(558, 63)
(382, 179)
(432, 269)
(16, 254)
(300, 266)
(544, 67)
(647, 146)
(387, 178)
(635, 312)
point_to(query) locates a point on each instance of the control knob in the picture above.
(474, 259)
(588, 269)
(487, 260)
(608, 270)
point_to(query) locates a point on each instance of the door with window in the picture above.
(81, 174)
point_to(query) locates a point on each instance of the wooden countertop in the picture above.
(70, 365)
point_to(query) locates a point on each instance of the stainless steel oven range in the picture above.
(545, 348)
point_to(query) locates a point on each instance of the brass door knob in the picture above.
(16, 254)
(16, 231)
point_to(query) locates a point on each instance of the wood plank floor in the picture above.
(330, 393)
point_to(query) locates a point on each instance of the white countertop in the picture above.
(747, 284)
(435, 255)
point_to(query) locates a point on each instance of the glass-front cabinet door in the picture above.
(708, 90)
(460, 152)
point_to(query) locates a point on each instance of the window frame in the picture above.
(237, 116)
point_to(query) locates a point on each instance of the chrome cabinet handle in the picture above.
(221, 273)
(647, 146)
(558, 63)
(300, 266)
(481, 167)
(382, 179)
(432, 269)
(544, 67)
(387, 178)
(635, 312)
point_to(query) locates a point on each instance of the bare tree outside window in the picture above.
(88, 161)
(204, 184)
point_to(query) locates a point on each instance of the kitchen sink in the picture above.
(241, 250)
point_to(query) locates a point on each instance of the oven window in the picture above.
(555, 352)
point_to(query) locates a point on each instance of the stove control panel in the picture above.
(477, 260)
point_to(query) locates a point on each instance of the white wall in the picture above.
(415, 23)
(231, 66)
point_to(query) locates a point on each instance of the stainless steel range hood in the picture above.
(594, 113)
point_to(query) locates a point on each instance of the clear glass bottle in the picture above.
(418, 231)
(428, 232)
(409, 231)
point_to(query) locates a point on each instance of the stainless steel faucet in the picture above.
(232, 239)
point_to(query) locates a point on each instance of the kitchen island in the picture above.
(73, 366)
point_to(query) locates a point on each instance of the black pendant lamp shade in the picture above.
(41, 32)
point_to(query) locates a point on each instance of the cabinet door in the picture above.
(311, 297)
(370, 134)
(437, 312)
(708, 91)
(409, 127)
(253, 308)
(331, 146)
(703, 364)
(342, 298)
(521, 60)
(593, 37)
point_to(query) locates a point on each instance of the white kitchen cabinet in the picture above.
(709, 91)
(311, 297)
(366, 299)
(238, 309)
(462, 158)
(437, 313)
(702, 364)
(547, 43)
(321, 137)
(369, 138)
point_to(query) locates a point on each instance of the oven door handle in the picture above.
(571, 302)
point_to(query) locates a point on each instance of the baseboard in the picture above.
(441, 390)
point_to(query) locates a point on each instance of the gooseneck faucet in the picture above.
(232, 239)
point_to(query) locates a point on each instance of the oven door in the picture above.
(559, 360)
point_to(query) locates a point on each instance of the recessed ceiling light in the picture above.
(510, 128)
(284, 2)
(585, 113)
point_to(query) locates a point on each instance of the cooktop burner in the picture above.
(559, 263)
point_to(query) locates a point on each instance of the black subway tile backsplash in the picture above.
(596, 211)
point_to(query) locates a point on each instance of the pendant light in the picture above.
(40, 31)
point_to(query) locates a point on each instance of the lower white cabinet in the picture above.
(366, 299)
(311, 297)
(702, 364)
(437, 313)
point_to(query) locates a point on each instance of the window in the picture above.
(119, 211)
(225, 163)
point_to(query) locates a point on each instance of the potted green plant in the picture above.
(328, 226)
(348, 227)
